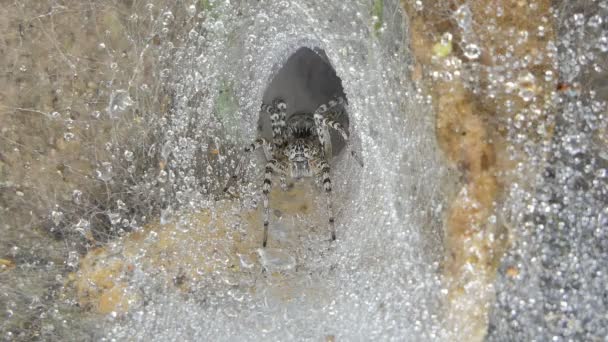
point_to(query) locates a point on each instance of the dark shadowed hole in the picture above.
(306, 81)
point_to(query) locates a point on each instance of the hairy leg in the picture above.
(321, 119)
(265, 191)
(257, 143)
(277, 112)
(324, 173)
(336, 126)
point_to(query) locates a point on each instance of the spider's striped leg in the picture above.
(324, 167)
(271, 165)
(257, 143)
(321, 119)
(277, 112)
(336, 126)
(282, 108)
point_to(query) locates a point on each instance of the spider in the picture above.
(298, 149)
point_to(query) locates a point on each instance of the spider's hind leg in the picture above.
(271, 166)
(324, 173)
(265, 191)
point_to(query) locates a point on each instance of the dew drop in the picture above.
(472, 51)
(595, 21)
(128, 155)
(119, 102)
(463, 16)
(73, 259)
(56, 217)
(114, 218)
(77, 196)
(602, 43)
(104, 172)
(527, 86)
(68, 136)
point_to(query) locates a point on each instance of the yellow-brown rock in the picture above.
(469, 134)
(180, 253)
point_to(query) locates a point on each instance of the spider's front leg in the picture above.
(271, 166)
(324, 173)
(336, 126)
(321, 121)
(277, 112)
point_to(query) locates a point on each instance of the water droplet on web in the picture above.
(55, 115)
(472, 51)
(527, 86)
(166, 215)
(104, 172)
(168, 17)
(77, 196)
(121, 205)
(162, 176)
(56, 217)
(82, 227)
(128, 155)
(463, 16)
(165, 150)
(602, 43)
(192, 10)
(446, 38)
(68, 136)
(595, 21)
(541, 31)
(578, 19)
(119, 102)
(73, 259)
(114, 218)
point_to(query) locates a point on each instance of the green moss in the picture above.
(226, 108)
(378, 12)
(204, 5)
(442, 49)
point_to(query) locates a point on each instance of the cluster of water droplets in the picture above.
(381, 276)
(560, 215)
(381, 280)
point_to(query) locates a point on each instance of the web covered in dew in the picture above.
(121, 124)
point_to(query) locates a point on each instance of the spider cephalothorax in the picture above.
(300, 155)
(302, 145)
(298, 150)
